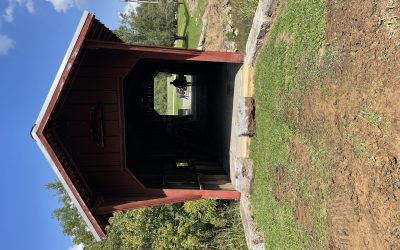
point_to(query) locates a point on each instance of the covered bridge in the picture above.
(109, 147)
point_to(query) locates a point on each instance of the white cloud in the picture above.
(81, 4)
(30, 6)
(76, 247)
(6, 44)
(61, 5)
(65, 5)
(129, 7)
(9, 15)
(12, 4)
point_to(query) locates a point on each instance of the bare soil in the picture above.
(216, 21)
(355, 109)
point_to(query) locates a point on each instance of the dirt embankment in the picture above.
(355, 110)
(357, 107)
(220, 32)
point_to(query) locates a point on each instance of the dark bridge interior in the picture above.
(184, 152)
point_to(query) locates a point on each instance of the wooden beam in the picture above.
(156, 197)
(111, 207)
(168, 53)
(205, 194)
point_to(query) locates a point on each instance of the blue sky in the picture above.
(34, 36)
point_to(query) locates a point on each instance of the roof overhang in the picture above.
(37, 131)
(92, 35)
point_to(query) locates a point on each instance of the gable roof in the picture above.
(88, 28)
(91, 34)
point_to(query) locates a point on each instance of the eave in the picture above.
(47, 108)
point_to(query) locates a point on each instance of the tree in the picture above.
(160, 93)
(190, 225)
(151, 24)
(69, 217)
(203, 224)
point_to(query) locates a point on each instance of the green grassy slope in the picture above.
(295, 38)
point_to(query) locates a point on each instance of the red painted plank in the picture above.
(166, 196)
(82, 113)
(169, 53)
(113, 206)
(93, 71)
(82, 128)
(205, 56)
(115, 181)
(210, 194)
(107, 108)
(98, 168)
(84, 145)
(95, 83)
(109, 58)
(94, 159)
(92, 97)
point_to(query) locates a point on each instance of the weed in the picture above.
(359, 146)
(337, 4)
(232, 236)
(230, 36)
(308, 71)
(372, 159)
(369, 115)
(372, 117)
(330, 64)
(242, 16)
(345, 124)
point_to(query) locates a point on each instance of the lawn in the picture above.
(289, 204)
(242, 17)
(174, 103)
(190, 24)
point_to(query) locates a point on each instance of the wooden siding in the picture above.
(98, 82)
(91, 75)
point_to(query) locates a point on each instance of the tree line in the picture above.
(203, 224)
(150, 24)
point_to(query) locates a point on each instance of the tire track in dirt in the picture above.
(364, 207)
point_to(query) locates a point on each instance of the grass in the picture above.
(242, 16)
(170, 96)
(294, 42)
(369, 115)
(190, 24)
(177, 103)
(231, 237)
(174, 103)
(360, 147)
